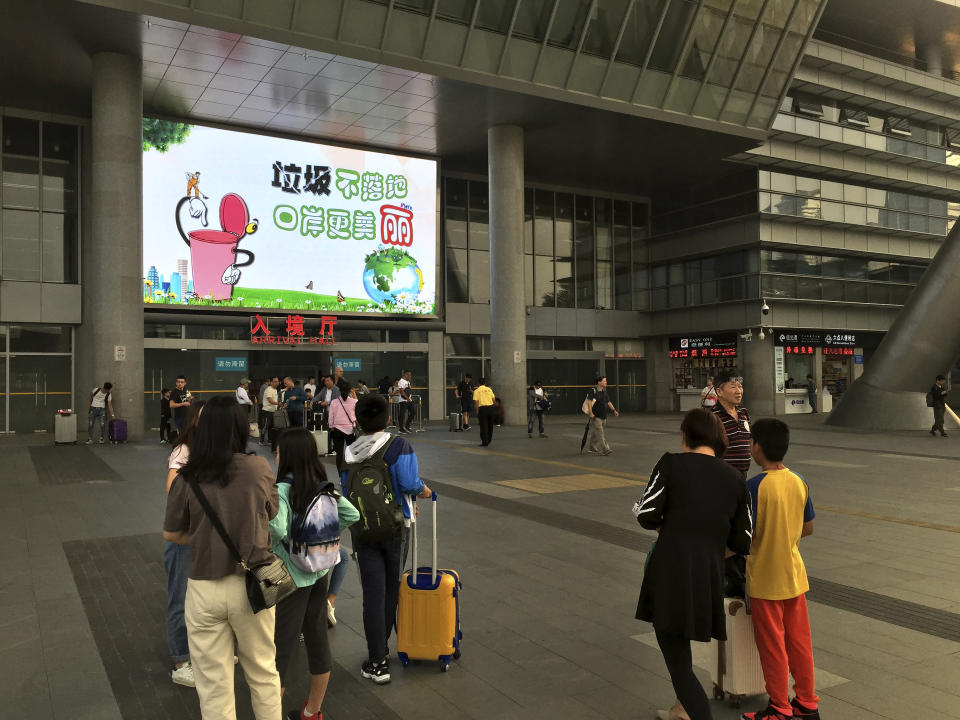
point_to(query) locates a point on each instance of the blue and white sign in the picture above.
(351, 365)
(858, 359)
(231, 364)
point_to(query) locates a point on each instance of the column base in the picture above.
(870, 408)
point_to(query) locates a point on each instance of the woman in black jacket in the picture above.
(700, 507)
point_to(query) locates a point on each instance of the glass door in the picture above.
(3, 392)
(39, 386)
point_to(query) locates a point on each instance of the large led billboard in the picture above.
(237, 220)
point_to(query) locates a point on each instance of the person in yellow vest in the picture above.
(486, 412)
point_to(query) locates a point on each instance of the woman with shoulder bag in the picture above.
(310, 508)
(700, 507)
(343, 424)
(239, 490)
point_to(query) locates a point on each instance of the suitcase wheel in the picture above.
(456, 654)
(717, 692)
(444, 667)
(404, 659)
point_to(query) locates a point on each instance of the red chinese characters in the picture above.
(396, 226)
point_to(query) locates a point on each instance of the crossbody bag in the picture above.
(267, 584)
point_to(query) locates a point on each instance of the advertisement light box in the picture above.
(237, 220)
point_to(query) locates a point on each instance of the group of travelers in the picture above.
(227, 512)
(732, 537)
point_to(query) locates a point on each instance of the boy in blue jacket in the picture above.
(379, 561)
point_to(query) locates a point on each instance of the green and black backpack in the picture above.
(370, 490)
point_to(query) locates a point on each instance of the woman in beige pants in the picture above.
(240, 488)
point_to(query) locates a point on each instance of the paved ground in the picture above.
(551, 560)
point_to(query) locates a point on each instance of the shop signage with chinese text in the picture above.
(348, 365)
(807, 339)
(231, 364)
(292, 331)
(704, 346)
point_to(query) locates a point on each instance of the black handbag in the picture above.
(267, 584)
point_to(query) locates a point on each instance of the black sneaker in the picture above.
(933, 432)
(943, 434)
(801, 711)
(768, 713)
(379, 673)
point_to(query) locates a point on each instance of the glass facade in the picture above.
(834, 278)
(704, 281)
(783, 194)
(580, 251)
(39, 200)
(724, 60)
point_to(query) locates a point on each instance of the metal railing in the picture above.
(416, 424)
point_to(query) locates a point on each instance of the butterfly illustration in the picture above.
(340, 297)
(310, 286)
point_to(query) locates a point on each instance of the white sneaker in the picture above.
(331, 615)
(183, 675)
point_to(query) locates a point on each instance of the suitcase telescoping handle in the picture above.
(415, 574)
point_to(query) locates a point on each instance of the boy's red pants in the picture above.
(782, 631)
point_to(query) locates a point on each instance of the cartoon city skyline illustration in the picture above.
(177, 290)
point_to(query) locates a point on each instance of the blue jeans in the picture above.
(176, 559)
(92, 417)
(339, 572)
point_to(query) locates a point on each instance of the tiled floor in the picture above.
(551, 561)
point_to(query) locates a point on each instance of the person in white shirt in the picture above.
(311, 385)
(708, 396)
(242, 396)
(405, 408)
(271, 403)
(98, 407)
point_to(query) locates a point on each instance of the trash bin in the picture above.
(65, 428)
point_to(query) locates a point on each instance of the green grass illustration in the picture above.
(256, 298)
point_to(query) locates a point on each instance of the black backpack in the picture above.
(930, 400)
(370, 490)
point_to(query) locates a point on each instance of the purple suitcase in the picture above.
(117, 431)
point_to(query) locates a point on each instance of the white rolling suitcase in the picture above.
(456, 422)
(735, 668)
(322, 438)
(65, 429)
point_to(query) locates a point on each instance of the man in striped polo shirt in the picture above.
(736, 423)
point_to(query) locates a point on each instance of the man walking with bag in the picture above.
(938, 396)
(597, 406)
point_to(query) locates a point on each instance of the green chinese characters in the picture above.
(335, 223)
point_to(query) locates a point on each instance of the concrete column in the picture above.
(508, 340)
(436, 376)
(923, 341)
(756, 363)
(931, 54)
(111, 255)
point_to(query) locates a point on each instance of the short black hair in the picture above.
(108, 386)
(468, 375)
(810, 376)
(482, 381)
(599, 378)
(181, 377)
(773, 437)
(372, 413)
(724, 377)
(165, 391)
(941, 377)
(361, 381)
(702, 427)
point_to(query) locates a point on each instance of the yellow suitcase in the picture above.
(428, 616)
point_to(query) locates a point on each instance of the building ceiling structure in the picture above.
(210, 76)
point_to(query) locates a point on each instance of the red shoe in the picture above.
(294, 715)
(768, 713)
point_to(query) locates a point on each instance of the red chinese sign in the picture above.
(396, 226)
(296, 334)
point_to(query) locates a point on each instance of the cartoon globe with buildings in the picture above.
(391, 276)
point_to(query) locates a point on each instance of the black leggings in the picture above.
(304, 611)
(676, 653)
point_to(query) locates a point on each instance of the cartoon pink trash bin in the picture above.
(213, 253)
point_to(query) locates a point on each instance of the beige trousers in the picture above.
(216, 611)
(596, 439)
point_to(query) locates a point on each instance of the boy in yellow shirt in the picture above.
(777, 579)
